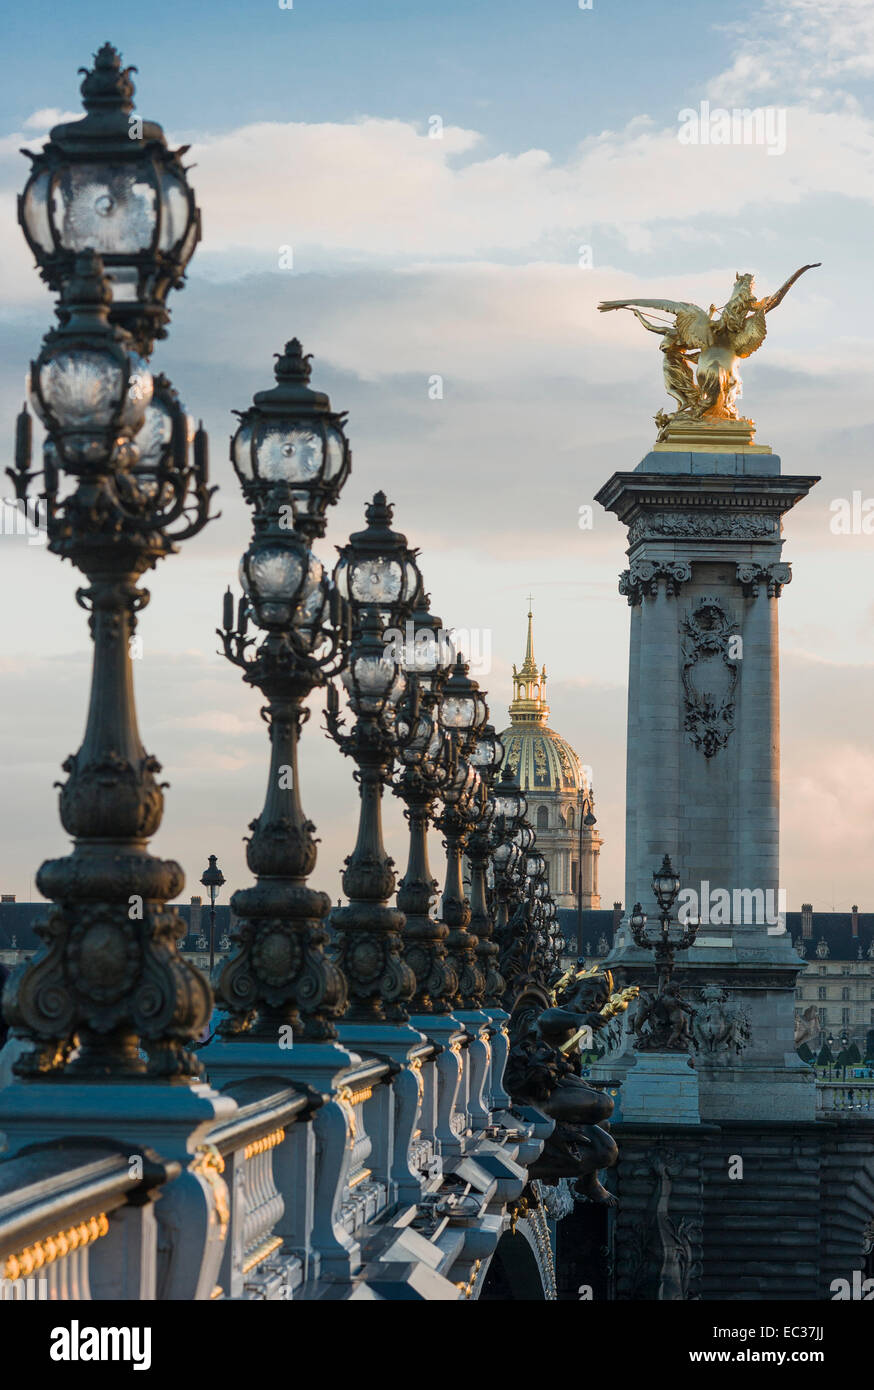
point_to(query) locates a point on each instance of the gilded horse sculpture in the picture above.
(715, 341)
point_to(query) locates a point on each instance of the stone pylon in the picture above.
(704, 580)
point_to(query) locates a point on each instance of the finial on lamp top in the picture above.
(293, 364)
(107, 84)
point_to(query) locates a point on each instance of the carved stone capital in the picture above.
(751, 576)
(641, 579)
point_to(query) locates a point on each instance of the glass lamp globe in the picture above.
(98, 186)
(488, 751)
(88, 387)
(290, 444)
(666, 884)
(376, 568)
(374, 683)
(278, 577)
(463, 709)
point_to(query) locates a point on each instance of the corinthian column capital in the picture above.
(642, 578)
(751, 576)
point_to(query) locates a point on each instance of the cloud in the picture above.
(792, 42)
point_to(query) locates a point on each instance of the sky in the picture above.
(458, 185)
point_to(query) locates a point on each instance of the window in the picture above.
(823, 970)
(822, 992)
(845, 1016)
(799, 994)
(845, 992)
(575, 873)
(570, 818)
(823, 1017)
(542, 818)
(846, 970)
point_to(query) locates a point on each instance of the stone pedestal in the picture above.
(661, 1088)
(704, 580)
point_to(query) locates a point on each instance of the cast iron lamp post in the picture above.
(510, 808)
(279, 976)
(377, 575)
(670, 938)
(486, 757)
(666, 887)
(464, 715)
(108, 183)
(109, 973)
(212, 880)
(424, 769)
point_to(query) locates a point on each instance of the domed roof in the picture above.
(538, 757)
(541, 760)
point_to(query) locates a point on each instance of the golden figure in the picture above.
(717, 339)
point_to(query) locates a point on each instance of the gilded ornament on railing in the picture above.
(261, 1146)
(50, 1248)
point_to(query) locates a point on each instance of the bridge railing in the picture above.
(855, 1096)
(69, 1215)
(403, 1170)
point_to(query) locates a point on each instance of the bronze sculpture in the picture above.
(544, 1070)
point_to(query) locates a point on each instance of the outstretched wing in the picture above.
(773, 300)
(752, 335)
(693, 324)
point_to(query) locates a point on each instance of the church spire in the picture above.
(529, 705)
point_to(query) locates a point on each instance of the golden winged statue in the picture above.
(715, 340)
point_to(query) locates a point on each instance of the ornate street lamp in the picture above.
(377, 575)
(290, 449)
(510, 808)
(464, 716)
(108, 183)
(671, 938)
(487, 757)
(212, 879)
(109, 974)
(423, 772)
(279, 975)
(87, 386)
(377, 569)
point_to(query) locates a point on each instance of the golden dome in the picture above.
(541, 760)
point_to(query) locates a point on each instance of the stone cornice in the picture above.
(631, 496)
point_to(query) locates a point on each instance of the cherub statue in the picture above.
(543, 1070)
(807, 1026)
(717, 339)
(661, 1023)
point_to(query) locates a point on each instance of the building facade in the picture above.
(561, 803)
(838, 978)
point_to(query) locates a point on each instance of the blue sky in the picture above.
(461, 257)
(544, 73)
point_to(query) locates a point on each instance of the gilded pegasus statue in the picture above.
(714, 340)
